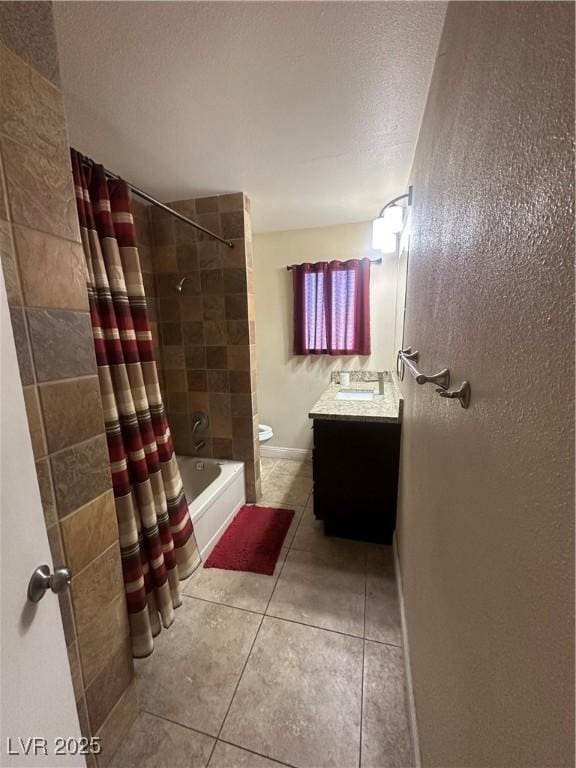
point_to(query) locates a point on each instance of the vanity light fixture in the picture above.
(388, 225)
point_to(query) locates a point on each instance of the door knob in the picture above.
(42, 580)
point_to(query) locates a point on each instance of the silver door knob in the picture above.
(42, 580)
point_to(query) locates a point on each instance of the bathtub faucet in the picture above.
(200, 444)
(199, 422)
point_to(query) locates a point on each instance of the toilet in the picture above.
(264, 433)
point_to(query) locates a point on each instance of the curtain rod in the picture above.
(164, 207)
(372, 261)
(158, 204)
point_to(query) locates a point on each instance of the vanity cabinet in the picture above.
(355, 470)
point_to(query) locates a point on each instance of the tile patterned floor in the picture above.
(303, 668)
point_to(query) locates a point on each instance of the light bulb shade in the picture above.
(378, 233)
(389, 243)
(393, 219)
(382, 239)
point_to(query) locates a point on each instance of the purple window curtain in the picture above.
(332, 308)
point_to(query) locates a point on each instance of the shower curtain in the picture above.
(157, 541)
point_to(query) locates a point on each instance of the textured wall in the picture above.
(45, 278)
(486, 513)
(288, 385)
(205, 334)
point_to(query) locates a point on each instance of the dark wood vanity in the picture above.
(356, 459)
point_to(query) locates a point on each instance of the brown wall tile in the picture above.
(9, 267)
(233, 202)
(198, 401)
(242, 427)
(31, 109)
(80, 474)
(107, 688)
(187, 258)
(46, 491)
(173, 357)
(72, 411)
(210, 221)
(117, 724)
(197, 381)
(235, 281)
(171, 333)
(218, 381)
(193, 334)
(239, 358)
(216, 357)
(96, 586)
(234, 258)
(3, 201)
(222, 448)
(206, 204)
(76, 672)
(65, 602)
(195, 357)
(241, 382)
(62, 343)
(164, 259)
(236, 306)
(168, 310)
(22, 345)
(55, 544)
(175, 380)
(191, 308)
(232, 224)
(220, 415)
(214, 307)
(163, 232)
(209, 255)
(243, 449)
(40, 189)
(177, 402)
(215, 333)
(89, 531)
(238, 332)
(52, 270)
(212, 281)
(101, 639)
(35, 421)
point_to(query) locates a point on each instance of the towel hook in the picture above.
(463, 394)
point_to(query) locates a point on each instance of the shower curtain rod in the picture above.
(372, 261)
(158, 204)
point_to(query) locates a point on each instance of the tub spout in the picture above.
(199, 445)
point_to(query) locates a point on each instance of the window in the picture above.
(332, 308)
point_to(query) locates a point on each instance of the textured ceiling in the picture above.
(313, 109)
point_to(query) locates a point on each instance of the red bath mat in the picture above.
(252, 541)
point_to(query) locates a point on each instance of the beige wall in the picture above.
(486, 512)
(288, 386)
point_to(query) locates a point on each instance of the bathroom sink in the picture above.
(355, 394)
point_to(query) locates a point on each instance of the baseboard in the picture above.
(275, 452)
(407, 666)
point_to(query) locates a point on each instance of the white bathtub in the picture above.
(215, 492)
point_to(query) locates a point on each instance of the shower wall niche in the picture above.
(205, 335)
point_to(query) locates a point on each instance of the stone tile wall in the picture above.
(45, 279)
(206, 333)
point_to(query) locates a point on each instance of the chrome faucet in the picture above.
(199, 445)
(199, 422)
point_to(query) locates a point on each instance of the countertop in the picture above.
(383, 408)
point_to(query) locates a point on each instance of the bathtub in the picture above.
(215, 492)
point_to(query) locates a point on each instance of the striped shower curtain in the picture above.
(157, 541)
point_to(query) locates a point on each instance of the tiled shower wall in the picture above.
(45, 278)
(206, 334)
